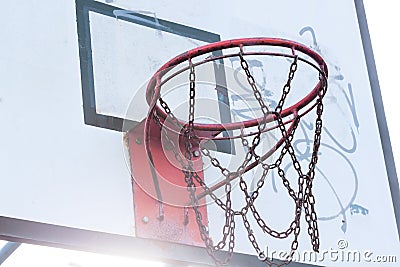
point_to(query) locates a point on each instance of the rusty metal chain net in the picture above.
(303, 197)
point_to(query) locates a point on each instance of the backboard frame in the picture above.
(83, 7)
(94, 118)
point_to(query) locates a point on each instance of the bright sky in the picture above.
(384, 24)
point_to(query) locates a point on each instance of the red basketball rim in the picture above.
(154, 86)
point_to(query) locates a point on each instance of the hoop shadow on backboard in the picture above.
(92, 115)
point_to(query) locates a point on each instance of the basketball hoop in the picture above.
(286, 119)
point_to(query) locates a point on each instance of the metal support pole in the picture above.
(7, 250)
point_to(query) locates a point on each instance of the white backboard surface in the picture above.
(64, 173)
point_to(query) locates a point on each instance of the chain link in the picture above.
(303, 198)
(287, 86)
(229, 227)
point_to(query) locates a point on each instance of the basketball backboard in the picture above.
(79, 85)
